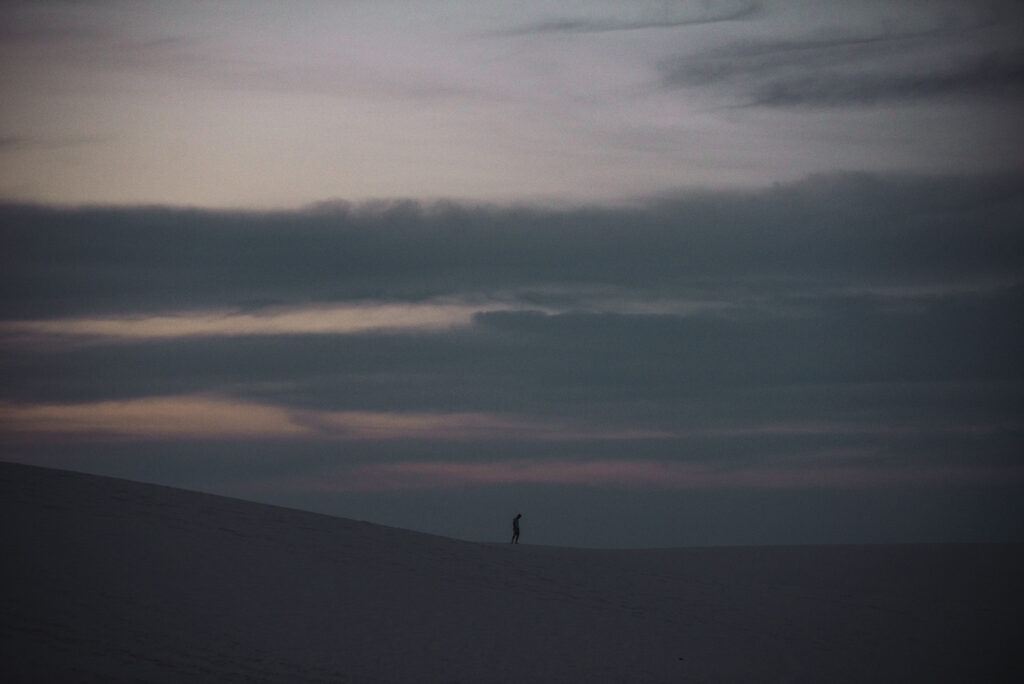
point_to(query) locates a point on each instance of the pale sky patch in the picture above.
(219, 417)
(332, 319)
(266, 104)
(322, 320)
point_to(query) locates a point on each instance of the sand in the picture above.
(110, 580)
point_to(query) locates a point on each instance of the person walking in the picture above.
(515, 529)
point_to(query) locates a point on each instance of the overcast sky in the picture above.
(269, 104)
(649, 273)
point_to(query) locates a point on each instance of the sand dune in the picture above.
(109, 580)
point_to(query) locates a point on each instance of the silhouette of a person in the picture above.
(515, 529)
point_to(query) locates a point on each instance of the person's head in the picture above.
(518, 516)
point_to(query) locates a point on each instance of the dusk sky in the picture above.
(648, 273)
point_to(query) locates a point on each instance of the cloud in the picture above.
(208, 416)
(633, 474)
(661, 317)
(627, 368)
(211, 417)
(152, 418)
(843, 330)
(847, 330)
(191, 48)
(944, 56)
(995, 74)
(843, 230)
(324, 320)
(641, 18)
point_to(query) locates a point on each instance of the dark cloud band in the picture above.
(830, 231)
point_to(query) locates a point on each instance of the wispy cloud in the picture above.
(967, 56)
(323, 320)
(996, 75)
(637, 17)
(221, 418)
(141, 419)
(630, 474)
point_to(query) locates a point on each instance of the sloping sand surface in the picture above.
(109, 580)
